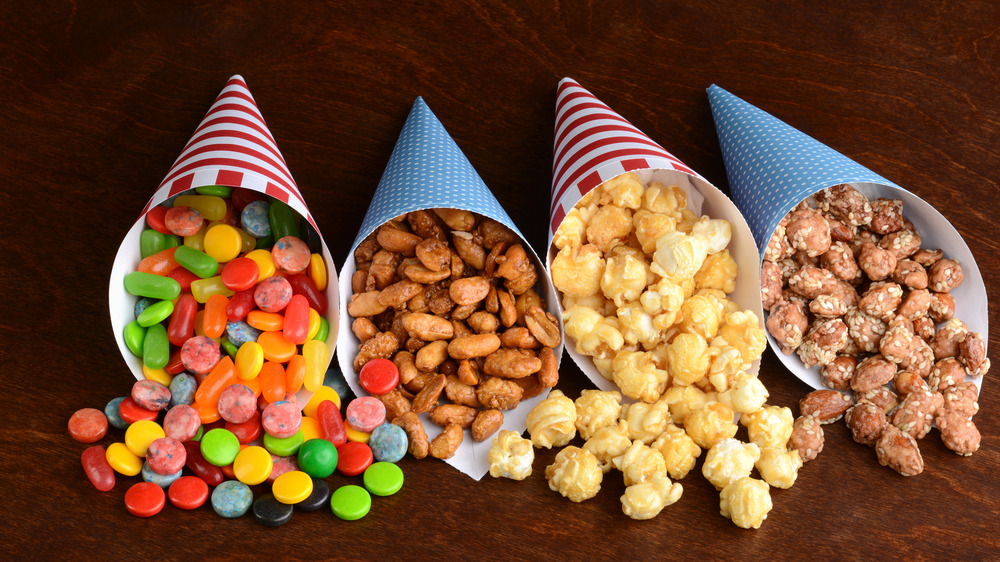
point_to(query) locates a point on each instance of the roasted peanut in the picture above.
(428, 396)
(395, 239)
(548, 374)
(421, 274)
(405, 363)
(419, 382)
(511, 363)
(457, 219)
(462, 312)
(468, 250)
(433, 254)
(460, 393)
(414, 429)
(427, 326)
(425, 225)
(431, 355)
(395, 404)
(359, 281)
(508, 311)
(469, 290)
(494, 233)
(515, 263)
(530, 387)
(397, 294)
(363, 329)
(468, 372)
(381, 345)
(487, 423)
(365, 304)
(457, 414)
(447, 442)
(366, 250)
(499, 394)
(483, 322)
(545, 330)
(478, 345)
(520, 337)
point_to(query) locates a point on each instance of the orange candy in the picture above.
(272, 381)
(160, 263)
(276, 347)
(214, 320)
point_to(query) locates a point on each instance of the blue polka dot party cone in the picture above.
(428, 170)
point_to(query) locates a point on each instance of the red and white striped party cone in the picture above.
(594, 144)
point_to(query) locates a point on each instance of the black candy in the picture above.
(319, 498)
(270, 512)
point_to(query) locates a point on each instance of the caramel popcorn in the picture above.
(552, 422)
(575, 474)
(710, 424)
(609, 442)
(728, 461)
(778, 467)
(746, 395)
(646, 421)
(746, 502)
(511, 456)
(679, 451)
(637, 376)
(771, 426)
(596, 409)
(577, 270)
(639, 462)
(647, 499)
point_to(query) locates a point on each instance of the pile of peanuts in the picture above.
(449, 296)
(849, 288)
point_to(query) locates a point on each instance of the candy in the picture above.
(296, 324)
(197, 262)
(210, 207)
(217, 190)
(196, 463)
(247, 431)
(269, 512)
(223, 242)
(200, 354)
(181, 326)
(317, 499)
(237, 403)
(292, 487)
(140, 434)
(266, 321)
(290, 255)
(155, 313)
(281, 465)
(383, 478)
(272, 381)
(314, 352)
(153, 286)
(356, 436)
(183, 221)
(219, 447)
(144, 499)
(134, 336)
(303, 285)
(221, 376)
(131, 412)
(254, 219)
(123, 460)
(295, 373)
(214, 320)
(156, 347)
(318, 458)
(166, 455)
(182, 389)
(317, 271)
(388, 443)
(88, 425)
(249, 360)
(184, 278)
(151, 395)
(331, 424)
(155, 219)
(112, 412)
(161, 480)
(264, 262)
(379, 376)
(252, 465)
(202, 289)
(160, 263)
(188, 492)
(281, 419)
(97, 469)
(350, 502)
(232, 499)
(181, 423)
(284, 221)
(277, 348)
(240, 274)
(353, 458)
(273, 294)
(284, 446)
(365, 414)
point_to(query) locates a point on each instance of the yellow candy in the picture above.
(314, 323)
(223, 242)
(292, 487)
(310, 429)
(201, 289)
(140, 434)
(159, 375)
(252, 465)
(317, 271)
(315, 353)
(264, 263)
(322, 393)
(211, 207)
(249, 360)
(248, 242)
(355, 435)
(122, 460)
(196, 241)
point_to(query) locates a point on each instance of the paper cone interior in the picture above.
(232, 147)
(428, 170)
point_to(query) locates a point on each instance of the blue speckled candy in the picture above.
(161, 480)
(240, 332)
(255, 219)
(142, 304)
(182, 389)
(232, 499)
(388, 443)
(114, 416)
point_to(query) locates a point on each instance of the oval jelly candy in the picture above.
(199, 263)
(196, 463)
(153, 286)
(255, 220)
(155, 313)
(211, 207)
(134, 336)
(182, 389)
(284, 220)
(156, 347)
(113, 412)
(95, 465)
(217, 190)
(123, 460)
(247, 431)
(181, 326)
(131, 412)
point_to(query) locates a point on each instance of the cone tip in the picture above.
(568, 80)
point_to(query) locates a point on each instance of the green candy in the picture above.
(134, 336)
(153, 286)
(350, 502)
(284, 446)
(151, 242)
(219, 446)
(155, 313)
(199, 263)
(383, 478)
(171, 241)
(229, 347)
(201, 433)
(324, 329)
(156, 348)
(223, 191)
(284, 221)
(318, 458)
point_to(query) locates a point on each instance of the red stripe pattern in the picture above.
(232, 146)
(592, 145)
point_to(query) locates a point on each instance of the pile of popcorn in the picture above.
(644, 284)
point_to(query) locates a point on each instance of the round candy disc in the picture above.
(383, 478)
(144, 499)
(140, 434)
(188, 492)
(350, 502)
(232, 499)
(353, 458)
(388, 442)
(292, 487)
(379, 376)
(284, 446)
(365, 414)
(113, 412)
(220, 447)
(131, 412)
(317, 499)
(88, 425)
(252, 465)
(318, 458)
(270, 512)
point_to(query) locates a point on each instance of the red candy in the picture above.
(240, 304)
(296, 327)
(365, 414)
(200, 354)
(181, 326)
(181, 423)
(379, 376)
(183, 221)
(273, 294)
(290, 255)
(237, 403)
(330, 423)
(305, 286)
(188, 492)
(144, 499)
(183, 278)
(132, 412)
(166, 456)
(196, 463)
(247, 431)
(160, 263)
(88, 425)
(240, 274)
(242, 197)
(99, 472)
(353, 458)
(155, 219)
(281, 419)
(174, 365)
(151, 395)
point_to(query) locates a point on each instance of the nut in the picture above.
(447, 442)
(826, 406)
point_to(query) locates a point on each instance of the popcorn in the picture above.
(687, 358)
(683, 400)
(637, 376)
(607, 443)
(728, 461)
(594, 334)
(625, 190)
(717, 272)
(747, 394)
(710, 424)
(639, 463)
(741, 329)
(746, 502)
(778, 467)
(572, 232)
(646, 421)
(596, 409)
(771, 426)
(575, 474)
(679, 255)
(624, 278)
(511, 456)
(649, 227)
(577, 270)
(716, 233)
(609, 227)
(668, 200)
(637, 326)
(552, 422)
(647, 499)
(701, 315)
(679, 451)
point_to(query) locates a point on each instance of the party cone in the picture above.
(428, 170)
(594, 144)
(232, 147)
(772, 167)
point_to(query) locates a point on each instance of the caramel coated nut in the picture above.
(839, 260)
(826, 406)
(926, 257)
(887, 216)
(910, 274)
(972, 354)
(428, 327)
(508, 309)
(398, 294)
(902, 243)
(483, 322)
(962, 398)
(447, 442)
(941, 308)
(899, 451)
(515, 263)
(468, 372)
(433, 254)
(425, 225)
(915, 304)
(959, 433)
(518, 336)
(545, 330)
(457, 414)
(908, 382)
(395, 239)
(867, 421)
(381, 346)
(477, 345)
(457, 219)
(881, 299)
(845, 203)
(363, 329)
(877, 263)
(770, 283)
(469, 290)
(871, 373)
(493, 233)
(810, 282)
(431, 355)
(837, 374)
(806, 438)
(469, 250)
(487, 423)
(460, 392)
(915, 414)
(395, 404)
(415, 433)
(365, 304)
(499, 394)
(548, 374)
(511, 363)
(421, 274)
(944, 276)
(428, 396)
(406, 365)
(787, 323)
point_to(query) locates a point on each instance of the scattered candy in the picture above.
(353, 458)
(140, 434)
(284, 446)
(365, 414)
(319, 497)
(220, 447)
(270, 512)
(388, 443)
(383, 478)
(252, 465)
(166, 455)
(130, 412)
(113, 412)
(95, 465)
(232, 499)
(350, 502)
(181, 422)
(281, 419)
(88, 425)
(318, 458)
(188, 492)
(379, 376)
(151, 395)
(292, 487)
(161, 480)
(144, 499)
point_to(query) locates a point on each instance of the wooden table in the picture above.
(98, 98)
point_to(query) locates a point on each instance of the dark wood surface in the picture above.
(98, 98)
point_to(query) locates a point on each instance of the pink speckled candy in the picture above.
(281, 465)
(181, 423)
(290, 255)
(237, 403)
(151, 395)
(273, 294)
(183, 221)
(281, 419)
(365, 414)
(200, 354)
(166, 456)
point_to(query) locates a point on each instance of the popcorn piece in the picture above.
(596, 409)
(609, 227)
(624, 278)
(647, 500)
(742, 330)
(575, 474)
(679, 451)
(607, 443)
(594, 334)
(746, 395)
(572, 230)
(649, 227)
(683, 400)
(668, 200)
(716, 232)
(552, 422)
(637, 326)
(726, 364)
(511, 456)
(687, 358)
(771, 426)
(639, 463)
(646, 421)
(637, 376)
(678, 255)
(701, 315)
(625, 190)
(746, 502)
(710, 424)
(728, 461)
(778, 467)
(577, 270)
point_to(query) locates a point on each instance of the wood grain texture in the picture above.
(98, 98)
